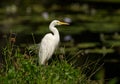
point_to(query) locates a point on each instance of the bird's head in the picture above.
(57, 22)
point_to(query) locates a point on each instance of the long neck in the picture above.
(54, 31)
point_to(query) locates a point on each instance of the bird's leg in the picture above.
(46, 62)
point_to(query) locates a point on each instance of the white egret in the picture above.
(49, 42)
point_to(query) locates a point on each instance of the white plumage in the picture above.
(49, 42)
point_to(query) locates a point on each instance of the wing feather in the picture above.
(47, 48)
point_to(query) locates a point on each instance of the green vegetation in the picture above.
(22, 68)
(94, 29)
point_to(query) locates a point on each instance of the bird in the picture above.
(49, 42)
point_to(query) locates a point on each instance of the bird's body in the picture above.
(47, 48)
(49, 42)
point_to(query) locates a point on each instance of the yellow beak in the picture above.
(63, 23)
